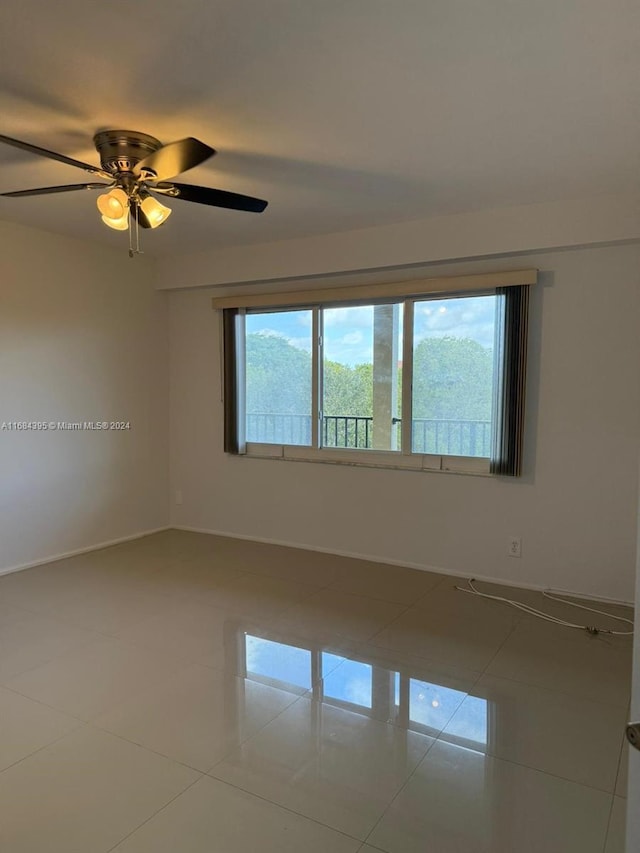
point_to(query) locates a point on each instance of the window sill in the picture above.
(371, 459)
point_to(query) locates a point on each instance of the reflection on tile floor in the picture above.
(191, 693)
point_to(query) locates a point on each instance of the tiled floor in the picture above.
(185, 693)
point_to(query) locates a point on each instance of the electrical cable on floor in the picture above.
(590, 629)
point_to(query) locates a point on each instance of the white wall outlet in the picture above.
(179, 497)
(514, 546)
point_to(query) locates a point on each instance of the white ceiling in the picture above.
(342, 113)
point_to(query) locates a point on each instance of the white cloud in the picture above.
(355, 316)
(270, 333)
(460, 317)
(352, 338)
(301, 343)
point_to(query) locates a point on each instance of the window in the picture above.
(453, 376)
(421, 380)
(361, 376)
(278, 377)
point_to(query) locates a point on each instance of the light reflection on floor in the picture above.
(349, 683)
(187, 692)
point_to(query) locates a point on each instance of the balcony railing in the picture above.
(447, 436)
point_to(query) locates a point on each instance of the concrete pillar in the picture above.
(386, 326)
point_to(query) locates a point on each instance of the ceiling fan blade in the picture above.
(67, 188)
(219, 198)
(52, 155)
(174, 158)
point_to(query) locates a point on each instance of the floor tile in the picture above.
(212, 817)
(440, 636)
(199, 632)
(27, 726)
(462, 800)
(346, 704)
(397, 688)
(190, 577)
(110, 605)
(30, 639)
(390, 583)
(277, 561)
(446, 597)
(90, 591)
(335, 766)
(257, 595)
(10, 613)
(185, 545)
(197, 716)
(130, 559)
(617, 824)
(282, 659)
(548, 656)
(622, 780)
(167, 545)
(329, 612)
(554, 732)
(88, 681)
(42, 588)
(562, 608)
(83, 794)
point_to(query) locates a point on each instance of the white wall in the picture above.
(575, 508)
(525, 228)
(83, 336)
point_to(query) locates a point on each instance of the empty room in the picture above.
(319, 427)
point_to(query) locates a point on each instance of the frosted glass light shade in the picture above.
(155, 212)
(114, 207)
(114, 204)
(117, 224)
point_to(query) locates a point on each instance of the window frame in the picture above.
(506, 454)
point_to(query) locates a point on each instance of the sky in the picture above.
(348, 332)
(351, 682)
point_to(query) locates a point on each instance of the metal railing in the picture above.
(347, 431)
(447, 436)
(278, 428)
(452, 437)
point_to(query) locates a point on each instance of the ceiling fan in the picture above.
(137, 167)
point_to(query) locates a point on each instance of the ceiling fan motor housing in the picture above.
(121, 150)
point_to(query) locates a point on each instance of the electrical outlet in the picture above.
(514, 546)
(179, 497)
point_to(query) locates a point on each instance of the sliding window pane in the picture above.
(362, 377)
(453, 375)
(278, 383)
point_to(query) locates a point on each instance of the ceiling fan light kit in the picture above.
(155, 212)
(137, 165)
(114, 207)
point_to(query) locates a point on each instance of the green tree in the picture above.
(348, 390)
(452, 378)
(278, 376)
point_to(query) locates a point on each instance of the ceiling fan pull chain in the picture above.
(130, 237)
(138, 252)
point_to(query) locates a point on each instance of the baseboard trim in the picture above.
(52, 559)
(422, 567)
